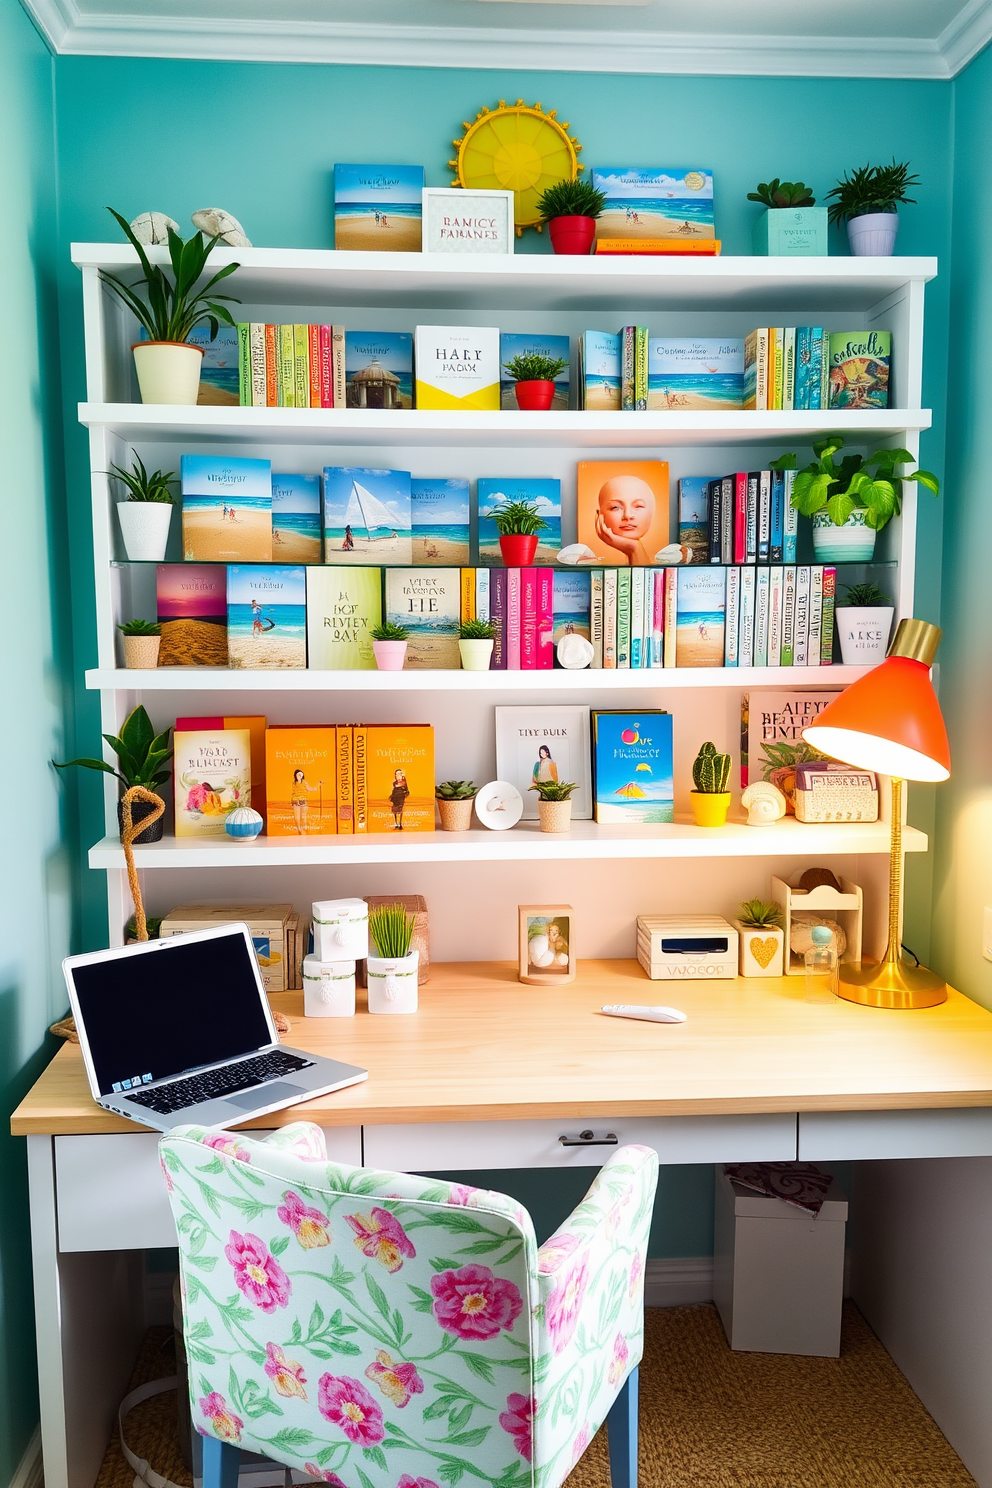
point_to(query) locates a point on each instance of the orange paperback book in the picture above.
(399, 777)
(623, 510)
(344, 778)
(300, 781)
(667, 247)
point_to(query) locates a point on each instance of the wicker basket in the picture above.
(555, 816)
(456, 816)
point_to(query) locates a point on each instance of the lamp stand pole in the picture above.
(891, 983)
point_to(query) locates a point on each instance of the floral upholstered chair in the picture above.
(380, 1330)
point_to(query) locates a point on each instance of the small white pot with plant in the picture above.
(476, 639)
(867, 200)
(864, 622)
(141, 640)
(761, 939)
(793, 225)
(554, 804)
(455, 800)
(392, 973)
(389, 643)
(145, 514)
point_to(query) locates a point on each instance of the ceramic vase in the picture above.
(535, 396)
(392, 983)
(328, 988)
(873, 235)
(572, 235)
(141, 651)
(476, 655)
(518, 548)
(145, 529)
(710, 809)
(761, 950)
(863, 631)
(389, 655)
(852, 543)
(456, 816)
(168, 371)
(554, 816)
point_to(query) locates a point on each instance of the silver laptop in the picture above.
(179, 1030)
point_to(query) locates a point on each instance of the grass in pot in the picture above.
(455, 799)
(534, 377)
(554, 804)
(141, 757)
(145, 514)
(867, 200)
(570, 208)
(142, 639)
(710, 776)
(389, 643)
(392, 973)
(476, 639)
(864, 622)
(519, 526)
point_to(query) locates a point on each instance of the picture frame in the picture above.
(546, 944)
(546, 743)
(455, 220)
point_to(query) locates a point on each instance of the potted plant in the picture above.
(146, 511)
(518, 525)
(389, 642)
(864, 621)
(761, 939)
(142, 639)
(710, 798)
(851, 501)
(168, 367)
(554, 804)
(867, 199)
(141, 754)
(570, 209)
(392, 973)
(534, 376)
(476, 639)
(455, 799)
(793, 225)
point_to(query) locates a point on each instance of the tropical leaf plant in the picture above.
(864, 596)
(858, 482)
(535, 367)
(141, 753)
(172, 309)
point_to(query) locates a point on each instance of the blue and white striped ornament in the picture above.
(243, 822)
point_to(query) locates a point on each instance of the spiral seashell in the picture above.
(764, 804)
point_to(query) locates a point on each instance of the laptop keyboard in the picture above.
(213, 1084)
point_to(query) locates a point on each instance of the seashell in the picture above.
(813, 878)
(539, 951)
(764, 804)
(243, 821)
(214, 222)
(801, 940)
(153, 227)
(576, 553)
(575, 652)
(672, 554)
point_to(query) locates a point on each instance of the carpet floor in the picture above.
(709, 1418)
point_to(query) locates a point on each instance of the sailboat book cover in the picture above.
(378, 369)
(457, 367)
(427, 601)
(191, 607)
(633, 779)
(266, 616)
(668, 202)
(699, 617)
(440, 521)
(600, 371)
(227, 509)
(367, 515)
(378, 207)
(543, 493)
(513, 344)
(296, 533)
(859, 369)
(211, 776)
(695, 372)
(343, 607)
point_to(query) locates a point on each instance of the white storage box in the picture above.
(778, 1273)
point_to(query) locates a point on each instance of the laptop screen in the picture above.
(154, 1014)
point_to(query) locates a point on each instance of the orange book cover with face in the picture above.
(399, 773)
(300, 782)
(623, 511)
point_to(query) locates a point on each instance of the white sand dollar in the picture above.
(672, 554)
(575, 652)
(153, 227)
(576, 553)
(216, 223)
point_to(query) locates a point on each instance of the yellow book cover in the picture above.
(255, 723)
(360, 764)
(457, 367)
(299, 778)
(287, 366)
(779, 337)
(468, 594)
(667, 247)
(211, 772)
(344, 778)
(301, 365)
(401, 777)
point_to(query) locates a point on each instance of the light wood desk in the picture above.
(491, 1074)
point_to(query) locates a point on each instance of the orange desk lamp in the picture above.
(890, 721)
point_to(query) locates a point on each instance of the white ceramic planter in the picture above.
(141, 651)
(873, 235)
(328, 988)
(145, 529)
(476, 655)
(852, 543)
(340, 929)
(392, 983)
(168, 371)
(389, 655)
(761, 951)
(863, 632)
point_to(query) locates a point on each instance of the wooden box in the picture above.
(416, 904)
(268, 924)
(847, 908)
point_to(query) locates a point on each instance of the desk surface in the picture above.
(483, 1047)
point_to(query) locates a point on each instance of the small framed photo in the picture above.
(535, 744)
(546, 955)
(458, 221)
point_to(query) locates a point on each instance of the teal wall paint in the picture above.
(37, 861)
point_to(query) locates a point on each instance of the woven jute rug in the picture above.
(709, 1418)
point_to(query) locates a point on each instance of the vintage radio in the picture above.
(675, 948)
(835, 793)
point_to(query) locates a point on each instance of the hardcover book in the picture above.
(378, 207)
(694, 518)
(266, 616)
(695, 372)
(300, 789)
(623, 515)
(859, 369)
(367, 515)
(700, 614)
(632, 767)
(513, 344)
(772, 726)
(343, 607)
(296, 529)
(427, 601)
(211, 774)
(191, 605)
(457, 367)
(542, 492)
(219, 368)
(599, 372)
(227, 509)
(572, 601)
(255, 724)
(666, 203)
(378, 369)
(400, 778)
(439, 512)
(539, 744)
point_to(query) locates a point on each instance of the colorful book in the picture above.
(255, 724)
(300, 781)
(819, 350)
(695, 372)
(367, 515)
(296, 527)
(751, 517)
(596, 616)
(599, 372)
(764, 515)
(788, 614)
(776, 359)
(467, 594)
(632, 767)
(343, 607)
(497, 614)
(513, 620)
(457, 367)
(815, 615)
(623, 510)
(344, 781)
(482, 591)
(211, 772)
(740, 516)
(378, 207)
(775, 607)
(542, 492)
(378, 368)
(745, 627)
(266, 616)
(658, 617)
(790, 519)
(227, 509)
(325, 366)
(301, 365)
(400, 777)
(789, 369)
(728, 498)
(286, 366)
(428, 602)
(731, 634)
(572, 599)
(360, 777)
(623, 618)
(628, 339)
(672, 203)
(756, 369)
(762, 601)
(827, 622)
(700, 617)
(191, 608)
(439, 512)
(545, 619)
(640, 368)
(714, 532)
(528, 619)
(800, 631)
(271, 367)
(610, 578)
(777, 533)
(224, 382)
(515, 343)
(695, 530)
(859, 364)
(671, 615)
(637, 577)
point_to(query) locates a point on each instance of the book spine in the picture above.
(740, 517)
(497, 614)
(800, 630)
(788, 615)
(800, 400)
(671, 614)
(789, 370)
(301, 364)
(513, 617)
(244, 364)
(815, 615)
(627, 351)
(271, 366)
(733, 617)
(727, 497)
(256, 339)
(761, 601)
(361, 757)
(338, 368)
(313, 364)
(610, 618)
(658, 618)
(751, 518)
(545, 619)
(482, 592)
(623, 619)
(827, 620)
(528, 619)
(640, 367)
(287, 370)
(764, 515)
(775, 616)
(778, 517)
(596, 616)
(714, 507)
(581, 374)
(825, 370)
(637, 576)
(326, 368)
(344, 772)
(750, 398)
(791, 519)
(745, 643)
(647, 625)
(779, 334)
(467, 610)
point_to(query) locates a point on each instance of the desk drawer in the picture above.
(535, 1144)
(829, 1136)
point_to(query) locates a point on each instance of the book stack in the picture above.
(290, 366)
(746, 517)
(805, 368)
(632, 371)
(667, 210)
(349, 779)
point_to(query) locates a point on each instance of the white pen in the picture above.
(653, 1014)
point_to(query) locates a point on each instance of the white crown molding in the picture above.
(966, 35)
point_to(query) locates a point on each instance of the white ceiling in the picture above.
(836, 38)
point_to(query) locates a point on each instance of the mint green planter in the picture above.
(791, 232)
(852, 543)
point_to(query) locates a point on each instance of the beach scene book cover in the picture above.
(633, 779)
(211, 774)
(694, 516)
(599, 368)
(543, 744)
(513, 344)
(572, 603)
(343, 607)
(400, 778)
(300, 781)
(266, 616)
(543, 492)
(296, 527)
(428, 603)
(378, 207)
(367, 516)
(623, 511)
(378, 369)
(227, 509)
(661, 203)
(191, 608)
(701, 602)
(440, 520)
(695, 372)
(457, 367)
(859, 369)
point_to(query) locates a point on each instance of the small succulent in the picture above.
(391, 930)
(144, 487)
(865, 596)
(871, 188)
(710, 770)
(476, 630)
(554, 790)
(517, 519)
(535, 367)
(456, 790)
(387, 631)
(783, 194)
(571, 199)
(757, 913)
(140, 628)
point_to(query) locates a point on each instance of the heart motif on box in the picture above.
(763, 950)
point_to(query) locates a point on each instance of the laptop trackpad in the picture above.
(262, 1094)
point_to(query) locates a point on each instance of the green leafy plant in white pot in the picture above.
(476, 639)
(851, 500)
(864, 623)
(867, 200)
(145, 514)
(392, 973)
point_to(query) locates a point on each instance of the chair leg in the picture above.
(622, 1434)
(220, 1463)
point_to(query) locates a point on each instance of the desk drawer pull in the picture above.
(588, 1139)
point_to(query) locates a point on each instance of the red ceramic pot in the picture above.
(535, 396)
(518, 549)
(572, 234)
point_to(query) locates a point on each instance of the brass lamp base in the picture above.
(891, 984)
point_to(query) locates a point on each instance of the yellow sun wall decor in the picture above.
(518, 148)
